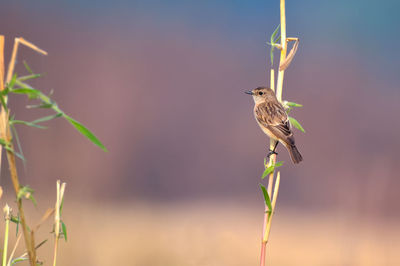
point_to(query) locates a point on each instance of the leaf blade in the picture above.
(267, 199)
(64, 230)
(86, 132)
(293, 104)
(296, 124)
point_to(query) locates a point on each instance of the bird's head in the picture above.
(262, 94)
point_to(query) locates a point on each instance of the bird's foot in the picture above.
(270, 152)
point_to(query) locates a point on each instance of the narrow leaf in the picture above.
(3, 103)
(16, 229)
(42, 105)
(268, 171)
(46, 118)
(27, 67)
(274, 34)
(16, 260)
(25, 192)
(296, 124)
(12, 81)
(61, 206)
(31, 93)
(292, 104)
(18, 144)
(31, 124)
(86, 132)
(272, 43)
(266, 197)
(3, 142)
(33, 200)
(28, 77)
(64, 230)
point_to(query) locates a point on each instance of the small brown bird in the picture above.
(273, 120)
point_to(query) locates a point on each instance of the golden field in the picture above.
(216, 233)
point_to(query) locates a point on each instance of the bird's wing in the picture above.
(273, 117)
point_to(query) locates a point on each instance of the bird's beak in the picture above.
(249, 92)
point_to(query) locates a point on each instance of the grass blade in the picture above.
(86, 132)
(27, 67)
(296, 124)
(292, 104)
(30, 124)
(270, 169)
(266, 197)
(46, 118)
(64, 230)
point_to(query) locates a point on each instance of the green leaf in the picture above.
(296, 124)
(42, 105)
(272, 43)
(3, 142)
(27, 193)
(31, 124)
(61, 206)
(64, 230)
(28, 77)
(24, 191)
(16, 260)
(14, 219)
(27, 67)
(16, 230)
(15, 133)
(46, 118)
(292, 104)
(274, 34)
(267, 200)
(270, 169)
(12, 81)
(31, 93)
(3, 103)
(86, 132)
(267, 171)
(33, 200)
(7, 146)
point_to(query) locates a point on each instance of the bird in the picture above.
(273, 120)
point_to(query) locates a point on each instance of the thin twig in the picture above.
(275, 196)
(57, 217)
(14, 249)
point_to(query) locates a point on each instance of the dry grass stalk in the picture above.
(5, 134)
(57, 217)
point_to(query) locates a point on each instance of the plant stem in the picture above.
(14, 177)
(7, 218)
(6, 135)
(268, 214)
(57, 217)
(283, 51)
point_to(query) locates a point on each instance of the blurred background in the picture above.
(161, 84)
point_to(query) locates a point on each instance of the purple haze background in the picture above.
(161, 84)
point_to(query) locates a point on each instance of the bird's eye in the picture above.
(260, 93)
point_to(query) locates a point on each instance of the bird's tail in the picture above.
(295, 154)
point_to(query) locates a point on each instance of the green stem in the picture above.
(7, 217)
